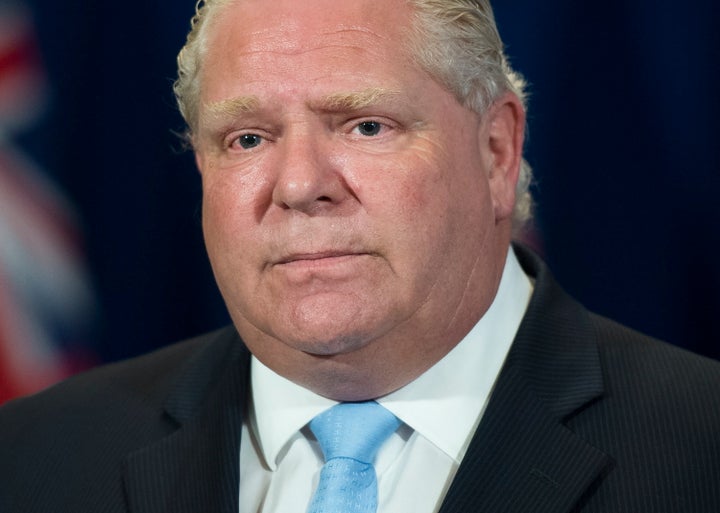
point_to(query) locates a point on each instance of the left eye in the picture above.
(369, 128)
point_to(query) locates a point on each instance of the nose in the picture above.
(308, 179)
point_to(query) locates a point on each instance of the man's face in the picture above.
(354, 212)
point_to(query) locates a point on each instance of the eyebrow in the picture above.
(232, 107)
(356, 100)
(335, 102)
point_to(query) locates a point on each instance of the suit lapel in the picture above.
(196, 467)
(523, 458)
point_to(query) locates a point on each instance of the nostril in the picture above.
(324, 198)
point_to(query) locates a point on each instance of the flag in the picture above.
(46, 299)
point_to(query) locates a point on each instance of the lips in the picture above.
(317, 256)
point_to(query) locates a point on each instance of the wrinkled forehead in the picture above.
(294, 25)
(245, 45)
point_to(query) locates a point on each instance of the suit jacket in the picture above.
(586, 416)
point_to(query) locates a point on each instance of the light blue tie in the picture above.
(350, 435)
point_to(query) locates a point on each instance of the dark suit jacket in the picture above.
(586, 416)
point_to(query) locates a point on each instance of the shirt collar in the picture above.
(457, 387)
(281, 408)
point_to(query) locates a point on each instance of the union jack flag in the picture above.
(45, 294)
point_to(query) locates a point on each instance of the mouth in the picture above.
(323, 267)
(323, 257)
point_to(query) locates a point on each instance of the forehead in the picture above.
(266, 19)
(250, 38)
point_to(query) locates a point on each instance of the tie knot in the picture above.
(353, 430)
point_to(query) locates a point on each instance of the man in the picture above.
(362, 177)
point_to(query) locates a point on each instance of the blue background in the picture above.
(623, 136)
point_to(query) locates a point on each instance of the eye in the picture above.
(369, 128)
(248, 141)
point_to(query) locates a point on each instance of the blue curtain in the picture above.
(622, 136)
(624, 140)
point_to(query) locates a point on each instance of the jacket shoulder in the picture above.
(653, 366)
(658, 419)
(79, 430)
(143, 379)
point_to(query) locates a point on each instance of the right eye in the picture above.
(248, 141)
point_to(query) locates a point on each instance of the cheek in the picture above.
(233, 202)
(230, 234)
(395, 186)
(232, 205)
(407, 203)
(439, 205)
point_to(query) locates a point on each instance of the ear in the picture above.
(201, 157)
(200, 151)
(198, 159)
(503, 139)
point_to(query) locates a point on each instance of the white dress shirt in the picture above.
(280, 460)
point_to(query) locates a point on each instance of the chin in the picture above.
(341, 378)
(325, 344)
(328, 324)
